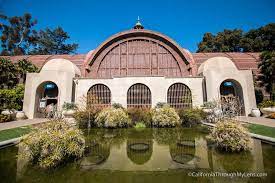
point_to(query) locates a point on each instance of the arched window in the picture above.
(99, 95)
(179, 96)
(139, 95)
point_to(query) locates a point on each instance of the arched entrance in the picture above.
(99, 95)
(232, 94)
(139, 96)
(46, 99)
(179, 96)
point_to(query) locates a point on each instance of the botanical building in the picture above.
(139, 68)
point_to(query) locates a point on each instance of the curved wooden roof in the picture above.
(156, 53)
(243, 61)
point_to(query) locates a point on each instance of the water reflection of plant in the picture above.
(168, 136)
(232, 162)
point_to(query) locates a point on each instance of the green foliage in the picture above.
(18, 37)
(117, 105)
(53, 143)
(259, 96)
(12, 98)
(83, 116)
(266, 103)
(191, 117)
(161, 104)
(68, 106)
(8, 74)
(165, 117)
(140, 115)
(230, 136)
(5, 118)
(24, 66)
(17, 34)
(112, 118)
(52, 42)
(210, 104)
(140, 125)
(258, 40)
(267, 70)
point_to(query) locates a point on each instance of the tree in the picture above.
(8, 74)
(53, 42)
(255, 40)
(24, 66)
(267, 70)
(261, 39)
(17, 34)
(226, 41)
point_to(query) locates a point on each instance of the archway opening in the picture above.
(99, 95)
(232, 96)
(46, 99)
(179, 96)
(139, 96)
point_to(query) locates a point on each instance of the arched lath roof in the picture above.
(139, 52)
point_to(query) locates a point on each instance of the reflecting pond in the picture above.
(148, 155)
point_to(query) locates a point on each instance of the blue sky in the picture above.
(91, 22)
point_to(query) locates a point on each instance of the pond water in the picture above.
(148, 155)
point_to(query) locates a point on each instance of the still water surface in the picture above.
(149, 155)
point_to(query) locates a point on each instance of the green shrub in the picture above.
(5, 118)
(140, 125)
(266, 103)
(82, 117)
(191, 117)
(230, 136)
(210, 104)
(68, 106)
(52, 144)
(117, 105)
(165, 117)
(161, 104)
(112, 118)
(12, 98)
(140, 115)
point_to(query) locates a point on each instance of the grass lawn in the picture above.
(14, 132)
(262, 130)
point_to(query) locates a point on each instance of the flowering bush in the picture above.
(52, 144)
(112, 118)
(230, 136)
(267, 103)
(165, 117)
(191, 117)
(82, 116)
(143, 115)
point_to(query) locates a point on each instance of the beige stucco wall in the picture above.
(218, 69)
(158, 86)
(63, 78)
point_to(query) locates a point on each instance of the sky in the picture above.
(90, 22)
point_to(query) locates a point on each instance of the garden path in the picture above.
(257, 120)
(19, 123)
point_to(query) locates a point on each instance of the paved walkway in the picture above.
(15, 124)
(258, 121)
